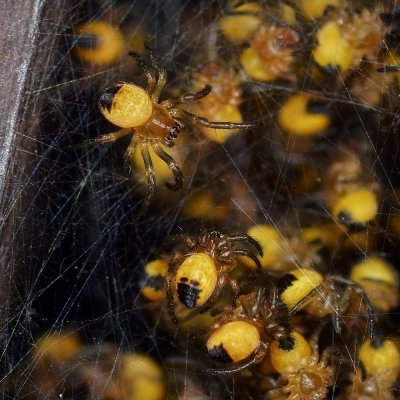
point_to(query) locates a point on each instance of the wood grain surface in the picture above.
(19, 21)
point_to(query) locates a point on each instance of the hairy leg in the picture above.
(171, 164)
(186, 98)
(365, 300)
(129, 153)
(244, 237)
(150, 175)
(185, 115)
(151, 79)
(162, 75)
(259, 354)
(110, 137)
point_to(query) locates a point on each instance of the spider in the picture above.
(241, 337)
(154, 123)
(199, 270)
(257, 328)
(106, 372)
(344, 41)
(321, 296)
(377, 374)
(50, 355)
(379, 280)
(352, 190)
(304, 374)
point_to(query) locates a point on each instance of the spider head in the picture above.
(169, 140)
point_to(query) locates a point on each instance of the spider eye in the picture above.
(126, 105)
(290, 354)
(195, 280)
(233, 342)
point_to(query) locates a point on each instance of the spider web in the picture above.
(76, 248)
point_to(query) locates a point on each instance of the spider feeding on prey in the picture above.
(153, 123)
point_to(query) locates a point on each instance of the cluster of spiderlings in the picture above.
(315, 315)
(285, 143)
(263, 317)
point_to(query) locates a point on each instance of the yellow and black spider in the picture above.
(153, 123)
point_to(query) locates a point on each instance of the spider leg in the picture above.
(162, 75)
(304, 300)
(365, 300)
(150, 175)
(171, 303)
(242, 252)
(110, 137)
(336, 316)
(185, 115)
(274, 298)
(389, 68)
(235, 289)
(257, 301)
(186, 98)
(241, 365)
(248, 238)
(370, 311)
(313, 341)
(151, 79)
(171, 164)
(129, 153)
(325, 356)
(180, 238)
(277, 393)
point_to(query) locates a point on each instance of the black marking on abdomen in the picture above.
(155, 281)
(218, 353)
(285, 282)
(188, 294)
(354, 226)
(286, 344)
(106, 99)
(282, 285)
